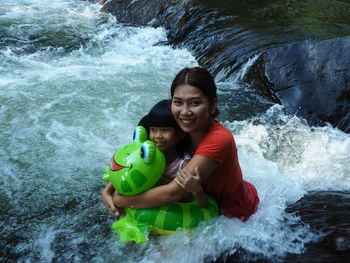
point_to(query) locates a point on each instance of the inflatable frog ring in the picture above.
(137, 167)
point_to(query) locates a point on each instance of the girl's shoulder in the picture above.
(172, 169)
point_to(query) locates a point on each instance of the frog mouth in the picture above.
(116, 166)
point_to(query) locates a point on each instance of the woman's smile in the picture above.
(187, 121)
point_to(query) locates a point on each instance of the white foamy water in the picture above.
(73, 84)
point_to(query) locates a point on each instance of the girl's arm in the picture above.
(107, 199)
(168, 193)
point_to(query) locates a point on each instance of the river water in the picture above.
(74, 83)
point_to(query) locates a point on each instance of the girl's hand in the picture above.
(188, 182)
(116, 198)
(107, 199)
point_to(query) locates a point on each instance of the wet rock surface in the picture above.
(309, 77)
(324, 212)
(327, 214)
(135, 13)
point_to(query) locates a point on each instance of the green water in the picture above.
(308, 19)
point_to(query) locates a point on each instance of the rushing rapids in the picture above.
(224, 35)
(73, 85)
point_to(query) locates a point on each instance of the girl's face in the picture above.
(191, 108)
(164, 138)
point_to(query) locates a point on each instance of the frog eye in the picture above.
(140, 134)
(148, 152)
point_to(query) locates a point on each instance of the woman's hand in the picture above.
(189, 182)
(107, 199)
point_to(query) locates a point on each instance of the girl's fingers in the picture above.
(185, 173)
(179, 176)
(182, 178)
(115, 211)
(179, 183)
(112, 208)
(178, 180)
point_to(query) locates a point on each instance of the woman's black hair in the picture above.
(161, 116)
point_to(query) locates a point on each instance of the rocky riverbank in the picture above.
(308, 75)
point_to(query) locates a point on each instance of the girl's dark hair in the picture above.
(200, 78)
(161, 116)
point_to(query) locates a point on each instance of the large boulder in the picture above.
(310, 78)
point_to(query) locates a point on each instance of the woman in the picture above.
(214, 167)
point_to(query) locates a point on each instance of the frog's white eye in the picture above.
(140, 134)
(148, 152)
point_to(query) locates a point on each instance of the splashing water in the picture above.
(73, 84)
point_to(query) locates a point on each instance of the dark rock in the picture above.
(327, 213)
(215, 39)
(135, 13)
(310, 78)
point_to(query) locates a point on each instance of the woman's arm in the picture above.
(201, 198)
(157, 196)
(168, 193)
(192, 184)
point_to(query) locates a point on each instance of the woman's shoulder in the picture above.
(218, 144)
(219, 132)
(217, 139)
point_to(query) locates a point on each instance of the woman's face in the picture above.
(191, 108)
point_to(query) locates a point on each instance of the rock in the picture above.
(310, 78)
(134, 12)
(201, 29)
(327, 213)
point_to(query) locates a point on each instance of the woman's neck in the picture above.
(197, 136)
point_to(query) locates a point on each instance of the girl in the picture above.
(214, 164)
(168, 137)
(166, 134)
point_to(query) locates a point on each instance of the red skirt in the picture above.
(242, 204)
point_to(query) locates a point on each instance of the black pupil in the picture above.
(142, 152)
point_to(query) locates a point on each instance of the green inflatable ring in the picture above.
(137, 167)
